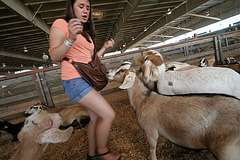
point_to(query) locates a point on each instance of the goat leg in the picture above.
(152, 137)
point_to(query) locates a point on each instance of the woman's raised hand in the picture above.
(109, 44)
(74, 27)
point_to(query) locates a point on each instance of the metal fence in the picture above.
(43, 84)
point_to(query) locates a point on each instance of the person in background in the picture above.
(195, 36)
(74, 38)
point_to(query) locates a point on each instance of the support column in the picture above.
(43, 90)
(215, 44)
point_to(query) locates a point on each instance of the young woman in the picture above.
(74, 38)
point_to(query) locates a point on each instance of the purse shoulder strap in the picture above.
(66, 59)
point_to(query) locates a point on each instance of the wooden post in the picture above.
(47, 93)
(219, 49)
(37, 86)
(185, 51)
(215, 44)
(43, 91)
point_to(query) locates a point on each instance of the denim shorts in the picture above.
(76, 88)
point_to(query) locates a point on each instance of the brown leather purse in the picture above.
(93, 72)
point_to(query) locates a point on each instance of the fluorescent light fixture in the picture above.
(170, 12)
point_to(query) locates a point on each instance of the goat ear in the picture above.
(54, 135)
(155, 74)
(139, 61)
(128, 81)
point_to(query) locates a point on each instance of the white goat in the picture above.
(178, 66)
(194, 121)
(69, 113)
(38, 131)
(207, 63)
(210, 63)
(197, 80)
(229, 62)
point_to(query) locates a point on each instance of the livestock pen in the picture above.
(126, 137)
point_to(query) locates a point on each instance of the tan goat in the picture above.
(194, 121)
(70, 113)
(38, 131)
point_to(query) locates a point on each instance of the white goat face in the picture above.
(203, 62)
(117, 73)
(123, 74)
(37, 108)
(230, 60)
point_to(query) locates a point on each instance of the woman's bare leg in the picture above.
(96, 103)
(91, 133)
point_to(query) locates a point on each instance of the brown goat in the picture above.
(68, 113)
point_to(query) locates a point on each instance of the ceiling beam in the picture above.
(127, 11)
(22, 10)
(156, 35)
(26, 33)
(153, 41)
(107, 3)
(20, 56)
(215, 11)
(160, 3)
(43, 2)
(179, 28)
(202, 16)
(179, 11)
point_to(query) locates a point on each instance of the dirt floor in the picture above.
(126, 137)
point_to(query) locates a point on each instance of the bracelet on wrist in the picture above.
(67, 43)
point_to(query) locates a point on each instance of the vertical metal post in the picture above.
(226, 41)
(215, 44)
(41, 89)
(219, 49)
(46, 90)
(185, 51)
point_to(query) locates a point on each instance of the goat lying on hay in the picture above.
(74, 115)
(230, 62)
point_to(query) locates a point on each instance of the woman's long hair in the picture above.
(88, 27)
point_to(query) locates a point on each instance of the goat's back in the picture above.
(55, 110)
(200, 80)
(71, 113)
(190, 120)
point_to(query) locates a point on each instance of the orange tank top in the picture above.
(79, 52)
